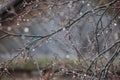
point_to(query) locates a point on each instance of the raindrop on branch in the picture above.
(64, 29)
(24, 20)
(98, 34)
(106, 31)
(27, 58)
(26, 29)
(18, 23)
(81, 13)
(5, 69)
(33, 49)
(115, 24)
(118, 17)
(73, 72)
(39, 13)
(67, 56)
(9, 28)
(93, 11)
(27, 20)
(88, 4)
(83, 1)
(74, 76)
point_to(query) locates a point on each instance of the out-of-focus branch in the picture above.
(10, 8)
(103, 52)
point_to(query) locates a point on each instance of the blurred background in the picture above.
(22, 26)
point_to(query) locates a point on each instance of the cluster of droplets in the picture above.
(20, 19)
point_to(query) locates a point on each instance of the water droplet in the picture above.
(63, 70)
(27, 58)
(27, 20)
(106, 31)
(36, 6)
(9, 28)
(24, 20)
(26, 29)
(33, 49)
(50, 8)
(118, 17)
(85, 75)
(98, 34)
(5, 69)
(22, 53)
(54, 64)
(74, 76)
(73, 72)
(93, 11)
(39, 13)
(67, 56)
(81, 13)
(18, 23)
(88, 4)
(64, 29)
(83, 1)
(115, 24)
